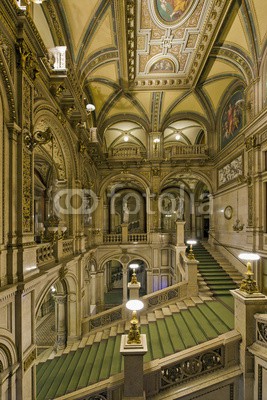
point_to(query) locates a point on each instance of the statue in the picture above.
(126, 212)
(180, 208)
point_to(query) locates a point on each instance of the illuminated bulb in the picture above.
(126, 138)
(178, 137)
(157, 140)
(89, 107)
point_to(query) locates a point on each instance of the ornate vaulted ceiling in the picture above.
(155, 63)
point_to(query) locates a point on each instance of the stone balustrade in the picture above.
(44, 253)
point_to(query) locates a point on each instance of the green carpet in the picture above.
(218, 281)
(165, 336)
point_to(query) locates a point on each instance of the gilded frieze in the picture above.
(27, 197)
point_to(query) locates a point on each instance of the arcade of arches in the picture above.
(124, 132)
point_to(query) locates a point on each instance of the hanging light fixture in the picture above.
(89, 108)
(177, 136)
(126, 137)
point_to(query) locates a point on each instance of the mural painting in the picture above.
(232, 118)
(172, 10)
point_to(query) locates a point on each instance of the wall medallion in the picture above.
(172, 11)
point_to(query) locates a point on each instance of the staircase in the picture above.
(216, 275)
(169, 329)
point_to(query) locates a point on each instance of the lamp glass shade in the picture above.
(191, 242)
(90, 107)
(134, 266)
(134, 305)
(249, 256)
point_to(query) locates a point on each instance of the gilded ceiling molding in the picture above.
(154, 43)
(9, 88)
(114, 181)
(97, 60)
(234, 56)
(156, 111)
(192, 173)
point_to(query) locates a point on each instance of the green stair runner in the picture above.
(215, 277)
(167, 335)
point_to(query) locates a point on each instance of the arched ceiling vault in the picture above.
(156, 60)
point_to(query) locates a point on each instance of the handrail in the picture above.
(226, 248)
(151, 300)
(173, 370)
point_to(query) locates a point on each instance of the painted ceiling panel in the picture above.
(79, 14)
(103, 36)
(40, 20)
(216, 89)
(145, 99)
(107, 71)
(220, 67)
(260, 10)
(100, 93)
(169, 98)
(237, 35)
(189, 104)
(123, 106)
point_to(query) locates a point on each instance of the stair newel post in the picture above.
(133, 348)
(180, 248)
(191, 270)
(248, 302)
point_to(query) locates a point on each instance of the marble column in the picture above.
(60, 310)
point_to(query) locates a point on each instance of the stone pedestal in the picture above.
(133, 368)
(60, 309)
(191, 277)
(124, 232)
(180, 233)
(134, 290)
(246, 306)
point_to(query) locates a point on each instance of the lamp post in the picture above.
(191, 254)
(248, 284)
(134, 278)
(133, 347)
(134, 334)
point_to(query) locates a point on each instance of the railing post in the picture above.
(124, 232)
(246, 305)
(133, 368)
(191, 277)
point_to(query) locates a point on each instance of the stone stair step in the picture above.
(151, 317)
(181, 305)
(90, 340)
(174, 308)
(166, 311)
(83, 342)
(189, 303)
(98, 337)
(197, 300)
(159, 314)
(75, 346)
(143, 320)
(113, 331)
(106, 334)
(205, 298)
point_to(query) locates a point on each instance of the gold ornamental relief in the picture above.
(27, 192)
